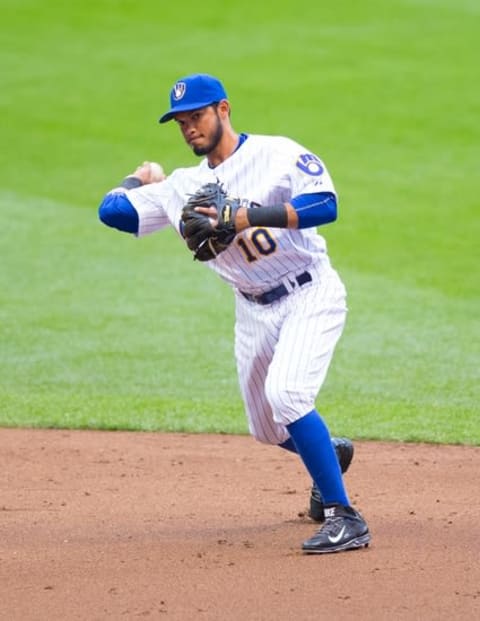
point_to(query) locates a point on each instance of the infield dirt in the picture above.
(119, 525)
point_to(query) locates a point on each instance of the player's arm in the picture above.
(303, 211)
(116, 210)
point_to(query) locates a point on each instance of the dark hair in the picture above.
(215, 104)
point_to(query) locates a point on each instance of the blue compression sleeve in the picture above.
(315, 209)
(312, 439)
(118, 212)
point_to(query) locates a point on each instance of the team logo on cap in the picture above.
(179, 90)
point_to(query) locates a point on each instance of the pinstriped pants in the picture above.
(283, 351)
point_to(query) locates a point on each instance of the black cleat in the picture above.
(344, 449)
(344, 529)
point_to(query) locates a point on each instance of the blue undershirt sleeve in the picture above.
(315, 209)
(119, 213)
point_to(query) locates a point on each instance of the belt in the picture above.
(277, 292)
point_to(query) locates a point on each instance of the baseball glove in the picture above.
(204, 240)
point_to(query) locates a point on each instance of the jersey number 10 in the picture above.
(260, 242)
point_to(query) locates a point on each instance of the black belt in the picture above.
(277, 292)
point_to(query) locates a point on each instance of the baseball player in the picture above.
(290, 304)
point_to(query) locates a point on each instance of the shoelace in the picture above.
(332, 526)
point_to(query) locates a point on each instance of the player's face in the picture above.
(202, 129)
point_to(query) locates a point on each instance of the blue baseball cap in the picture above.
(193, 92)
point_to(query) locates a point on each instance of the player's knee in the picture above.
(288, 404)
(282, 401)
(275, 394)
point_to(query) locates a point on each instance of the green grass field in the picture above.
(101, 330)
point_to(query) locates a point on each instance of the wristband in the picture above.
(131, 182)
(275, 216)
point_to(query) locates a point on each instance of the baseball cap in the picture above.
(192, 92)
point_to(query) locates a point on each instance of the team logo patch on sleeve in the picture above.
(310, 164)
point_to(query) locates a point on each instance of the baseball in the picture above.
(156, 172)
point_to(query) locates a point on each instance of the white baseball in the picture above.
(156, 171)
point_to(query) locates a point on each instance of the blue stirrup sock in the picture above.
(311, 439)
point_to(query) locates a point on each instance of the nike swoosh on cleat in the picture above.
(337, 538)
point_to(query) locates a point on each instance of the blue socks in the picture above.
(310, 438)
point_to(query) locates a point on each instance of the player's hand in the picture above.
(208, 221)
(240, 217)
(149, 172)
(211, 212)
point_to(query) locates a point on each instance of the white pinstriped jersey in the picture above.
(267, 170)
